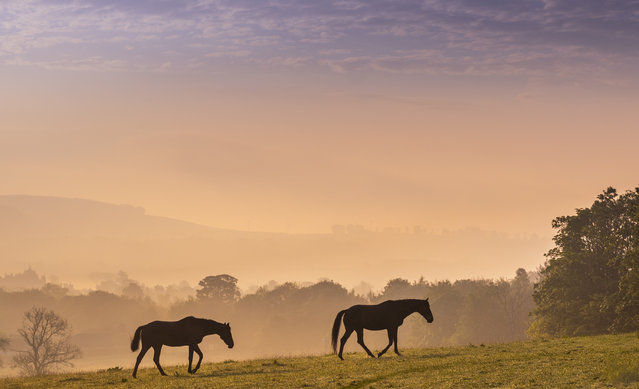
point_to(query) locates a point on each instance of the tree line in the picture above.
(277, 319)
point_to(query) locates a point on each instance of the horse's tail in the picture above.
(135, 343)
(335, 332)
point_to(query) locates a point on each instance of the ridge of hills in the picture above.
(72, 238)
(60, 215)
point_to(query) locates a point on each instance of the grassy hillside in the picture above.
(600, 361)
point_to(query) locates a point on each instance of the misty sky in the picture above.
(296, 115)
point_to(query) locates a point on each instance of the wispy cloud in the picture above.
(524, 37)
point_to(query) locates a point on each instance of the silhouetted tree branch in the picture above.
(47, 337)
(4, 342)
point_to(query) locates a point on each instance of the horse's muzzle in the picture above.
(429, 320)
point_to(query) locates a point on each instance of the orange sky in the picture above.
(278, 131)
(300, 163)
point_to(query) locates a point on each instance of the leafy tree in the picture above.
(447, 302)
(481, 315)
(55, 290)
(133, 290)
(397, 288)
(222, 288)
(47, 336)
(516, 302)
(325, 291)
(589, 283)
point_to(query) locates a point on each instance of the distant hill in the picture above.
(73, 238)
(40, 215)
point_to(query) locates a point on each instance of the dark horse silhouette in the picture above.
(186, 332)
(388, 316)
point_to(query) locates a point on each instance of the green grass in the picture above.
(598, 361)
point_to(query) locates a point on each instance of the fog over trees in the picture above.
(275, 319)
(88, 242)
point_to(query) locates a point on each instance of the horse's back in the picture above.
(371, 317)
(171, 324)
(170, 333)
(372, 308)
(161, 324)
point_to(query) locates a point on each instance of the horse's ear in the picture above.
(426, 299)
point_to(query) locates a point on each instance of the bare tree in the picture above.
(47, 337)
(4, 342)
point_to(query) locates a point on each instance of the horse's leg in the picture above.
(390, 342)
(156, 357)
(140, 356)
(190, 358)
(342, 342)
(196, 348)
(360, 340)
(395, 340)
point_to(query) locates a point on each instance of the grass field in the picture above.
(598, 361)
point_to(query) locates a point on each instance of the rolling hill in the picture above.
(71, 238)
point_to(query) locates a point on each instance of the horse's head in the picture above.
(425, 311)
(226, 336)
